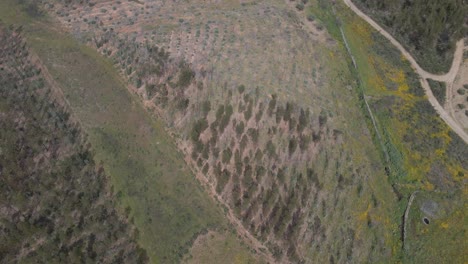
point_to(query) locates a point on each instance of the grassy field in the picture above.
(422, 152)
(215, 247)
(149, 177)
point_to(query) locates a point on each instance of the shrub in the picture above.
(259, 114)
(281, 176)
(241, 89)
(198, 128)
(238, 162)
(292, 124)
(303, 120)
(205, 168)
(186, 76)
(129, 70)
(322, 118)
(33, 10)
(227, 154)
(287, 111)
(138, 83)
(206, 151)
(248, 113)
(279, 113)
(244, 142)
(150, 90)
(271, 149)
(312, 177)
(253, 133)
(272, 105)
(439, 90)
(226, 118)
(220, 112)
(258, 155)
(240, 128)
(182, 104)
(247, 180)
(260, 171)
(221, 180)
(292, 146)
(206, 107)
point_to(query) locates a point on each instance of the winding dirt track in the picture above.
(448, 77)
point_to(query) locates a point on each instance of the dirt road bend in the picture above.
(448, 77)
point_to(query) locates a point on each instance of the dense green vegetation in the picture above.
(439, 90)
(429, 29)
(56, 205)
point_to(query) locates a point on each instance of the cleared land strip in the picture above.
(448, 77)
(369, 110)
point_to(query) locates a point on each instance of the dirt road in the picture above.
(448, 77)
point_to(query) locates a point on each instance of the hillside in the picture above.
(273, 143)
(255, 131)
